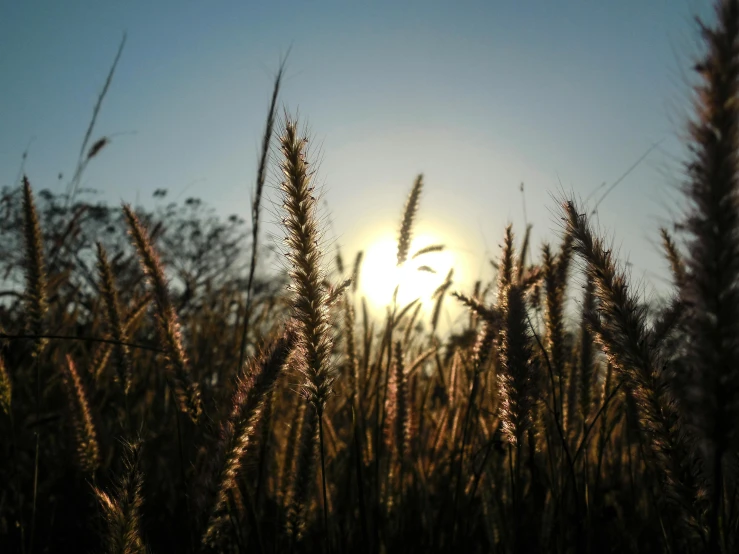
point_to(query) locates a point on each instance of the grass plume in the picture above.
(88, 450)
(115, 319)
(710, 288)
(252, 390)
(121, 508)
(625, 338)
(168, 325)
(36, 301)
(406, 226)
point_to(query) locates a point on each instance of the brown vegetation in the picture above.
(515, 433)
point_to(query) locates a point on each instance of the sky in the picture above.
(478, 96)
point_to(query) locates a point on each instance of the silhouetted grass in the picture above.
(517, 431)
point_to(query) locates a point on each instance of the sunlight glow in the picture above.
(380, 274)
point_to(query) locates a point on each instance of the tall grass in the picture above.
(526, 428)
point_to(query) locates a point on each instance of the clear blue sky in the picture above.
(479, 96)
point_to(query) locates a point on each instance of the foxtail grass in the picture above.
(406, 226)
(36, 301)
(86, 441)
(625, 338)
(237, 433)
(121, 509)
(398, 428)
(168, 326)
(518, 368)
(310, 307)
(115, 320)
(587, 354)
(677, 265)
(710, 289)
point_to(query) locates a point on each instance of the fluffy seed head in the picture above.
(406, 227)
(168, 326)
(88, 451)
(309, 294)
(36, 303)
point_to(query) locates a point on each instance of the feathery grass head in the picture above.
(673, 256)
(355, 270)
(88, 451)
(335, 293)
(397, 406)
(237, 433)
(622, 331)
(309, 294)
(475, 306)
(710, 289)
(485, 338)
(115, 321)
(121, 509)
(587, 354)
(36, 303)
(406, 226)
(621, 310)
(507, 261)
(428, 250)
(524, 252)
(518, 373)
(150, 262)
(168, 326)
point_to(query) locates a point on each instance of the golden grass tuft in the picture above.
(88, 449)
(168, 325)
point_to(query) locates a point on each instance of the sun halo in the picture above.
(417, 278)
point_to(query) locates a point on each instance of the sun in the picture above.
(417, 278)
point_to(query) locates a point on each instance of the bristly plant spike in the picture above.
(187, 392)
(406, 226)
(310, 306)
(554, 313)
(355, 270)
(121, 509)
(626, 340)
(428, 250)
(115, 320)
(36, 304)
(507, 261)
(252, 389)
(88, 450)
(710, 289)
(309, 295)
(587, 361)
(474, 305)
(397, 423)
(518, 373)
(673, 256)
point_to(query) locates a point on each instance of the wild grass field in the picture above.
(160, 393)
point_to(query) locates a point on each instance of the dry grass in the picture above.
(517, 432)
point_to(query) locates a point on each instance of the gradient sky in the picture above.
(479, 96)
